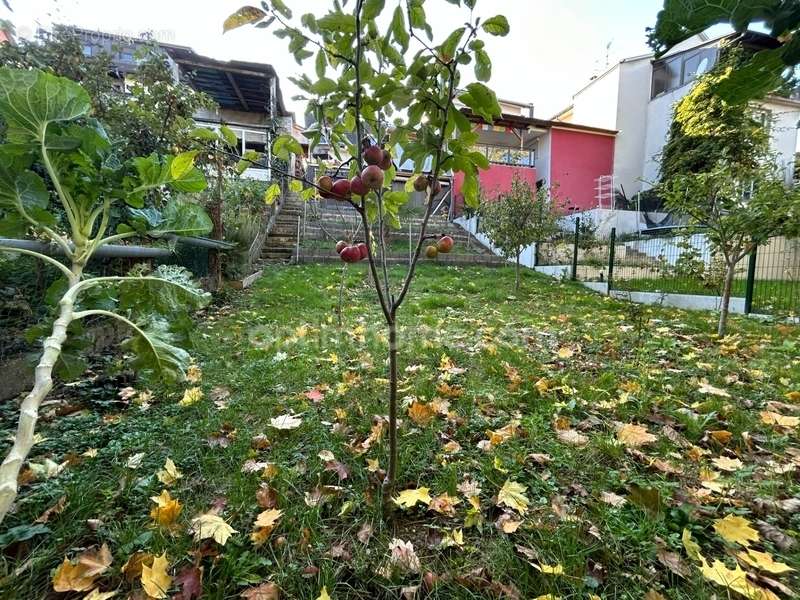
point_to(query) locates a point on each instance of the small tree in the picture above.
(737, 209)
(518, 219)
(379, 99)
(83, 187)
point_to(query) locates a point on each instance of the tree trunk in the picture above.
(341, 295)
(516, 275)
(726, 299)
(29, 409)
(391, 475)
(217, 233)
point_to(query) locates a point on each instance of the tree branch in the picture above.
(48, 259)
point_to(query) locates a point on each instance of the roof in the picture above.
(234, 84)
(520, 122)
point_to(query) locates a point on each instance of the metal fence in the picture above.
(677, 261)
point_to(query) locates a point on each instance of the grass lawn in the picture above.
(534, 390)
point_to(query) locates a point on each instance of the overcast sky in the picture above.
(553, 49)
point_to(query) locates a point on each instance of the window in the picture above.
(677, 71)
(667, 75)
(87, 50)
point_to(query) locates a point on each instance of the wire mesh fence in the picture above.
(680, 261)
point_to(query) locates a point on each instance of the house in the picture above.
(247, 95)
(572, 159)
(636, 97)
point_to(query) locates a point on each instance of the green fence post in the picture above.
(611, 251)
(751, 282)
(575, 249)
(536, 254)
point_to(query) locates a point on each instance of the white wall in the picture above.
(596, 104)
(783, 134)
(543, 158)
(634, 96)
(659, 120)
(625, 221)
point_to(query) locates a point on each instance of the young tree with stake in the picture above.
(84, 189)
(519, 218)
(389, 99)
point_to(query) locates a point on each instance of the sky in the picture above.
(554, 48)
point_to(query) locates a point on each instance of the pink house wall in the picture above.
(495, 180)
(577, 159)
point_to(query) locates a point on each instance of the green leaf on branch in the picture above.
(227, 134)
(759, 76)
(497, 25)
(178, 218)
(372, 8)
(482, 101)
(398, 29)
(337, 21)
(483, 66)
(31, 99)
(182, 164)
(166, 291)
(154, 351)
(273, 192)
(203, 134)
(244, 16)
(285, 145)
(281, 7)
(295, 186)
(447, 50)
(324, 86)
(249, 158)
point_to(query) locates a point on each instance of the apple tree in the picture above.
(519, 218)
(737, 208)
(62, 183)
(384, 91)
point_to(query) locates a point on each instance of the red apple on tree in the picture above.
(362, 247)
(340, 245)
(350, 254)
(341, 189)
(357, 186)
(386, 161)
(372, 176)
(445, 244)
(373, 155)
(421, 183)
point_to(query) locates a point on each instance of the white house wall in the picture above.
(629, 150)
(783, 133)
(596, 104)
(543, 158)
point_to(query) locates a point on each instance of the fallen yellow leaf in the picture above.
(166, 510)
(763, 561)
(773, 418)
(736, 529)
(512, 495)
(169, 474)
(635, 435)
(155, 579)
(212, 526)
(727, 464)
(409, 498)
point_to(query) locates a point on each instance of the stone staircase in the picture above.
(281, 243)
